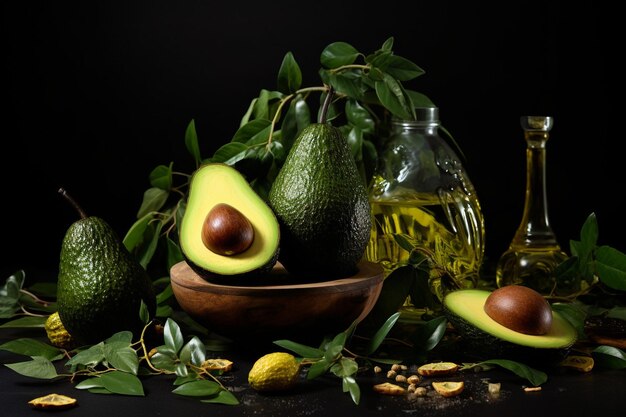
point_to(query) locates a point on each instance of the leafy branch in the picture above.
(114, 366)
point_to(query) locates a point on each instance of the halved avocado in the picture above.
(488, 339)
(217, 184)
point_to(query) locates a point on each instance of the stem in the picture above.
(73, 202)
(326, 105)
(282, 103)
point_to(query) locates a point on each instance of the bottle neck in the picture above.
(535, 229)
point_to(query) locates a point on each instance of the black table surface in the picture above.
(566, 393)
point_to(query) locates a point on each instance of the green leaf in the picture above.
(359, 116)
(609, 357)
(223, 397)
(289, 75)
(345, 367)
(193, 352)
(122, 383)
(250, 129)
(347, 84)
(124, 336)
(90, 383)
(26, 322)
(589, 232)
(402, 69)
(90, 357)
(174, 253)
(201, 388)
(173, 336)
(429, 334)
(121, 357)
(349, 384)
(144, 313)
(391, 95)
(135, 236)
(161, 177)
(381, 334)
(318, 368)
(300, 349)
(420, 100)
(13, 285)
(32, 347)
(534, 376)
(338, 54)
(334, 347)
(163, 361)
(191, 142)
(230, 153)
(388, 44)
(152, 235)
(611, 267)
(39, 367)
(153, 199)
(395, 290)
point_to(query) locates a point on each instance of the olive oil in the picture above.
(450, 234)
(425, 212)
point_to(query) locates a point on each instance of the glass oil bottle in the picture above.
(421, 193)
(534, 251)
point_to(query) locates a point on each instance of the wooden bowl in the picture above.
(278, 311)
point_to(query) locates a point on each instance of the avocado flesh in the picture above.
(464, 309)
(216, 183)
(100, 284)
(321, 204)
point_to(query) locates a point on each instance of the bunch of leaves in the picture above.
(334, 356)
(367, 90)
(115, 365)
(31, 305)
(591, 266)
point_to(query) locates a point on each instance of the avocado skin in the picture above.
(322, 206)
(482, 346)
(100, 283)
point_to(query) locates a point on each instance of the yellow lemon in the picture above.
(277, 371)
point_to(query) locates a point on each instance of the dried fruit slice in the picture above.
(53, 402)
(578, 362)
(437, 368)
(219, 364)
(389, 389)
(449, 388)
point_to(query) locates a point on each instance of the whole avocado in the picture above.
(100, 283)
(321, 204)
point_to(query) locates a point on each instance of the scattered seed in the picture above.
(378, 369)
(391, 374)
(413, 379)
(532, 389)
(400, 378)
(494, 388)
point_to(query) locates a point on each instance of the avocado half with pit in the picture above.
(228, 231)
(487, 338)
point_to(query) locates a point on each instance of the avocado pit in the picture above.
(226, 231)
(520, 308)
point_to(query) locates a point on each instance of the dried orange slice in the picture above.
(449, 388)
(578, 362)
(52, 402)
(437, 368)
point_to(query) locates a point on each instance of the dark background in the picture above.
(96, 95)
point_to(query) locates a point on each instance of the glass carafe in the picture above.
(534, 251)
(421, 194)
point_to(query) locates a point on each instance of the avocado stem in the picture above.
(73, 202)
(326, 105)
